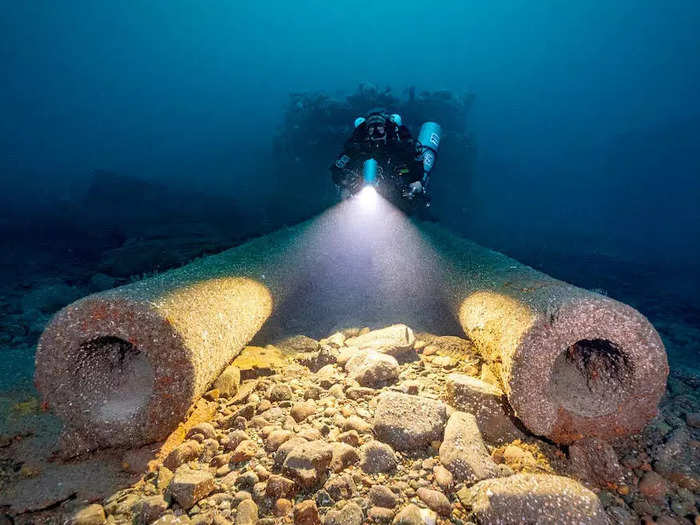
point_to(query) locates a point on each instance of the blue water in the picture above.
(583, 136)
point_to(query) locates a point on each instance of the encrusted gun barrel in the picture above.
(122, 367)
(572, 362)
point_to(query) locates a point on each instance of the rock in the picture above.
(344, 455)
(163, 478)
(486, 402)
(380, 515)
(91, 515)
(408, 422)
(340, 487)
(285, 448)
(306, 513)
(300, 411)
(187, 451)
(351, 437)
(276, 438)
(376, 457)
(372, 369)
(518, 459)
(693, 419)
(189, 486)
(228, 381)
(653, 486)
(279, 393)
(443, 478)
(246, 513)
(409, 515)
(149, 509)
(235, 438)
(245, 450)
(170, 519)
(435, 500)
(328, 376)
(350, 514)
(283, 507)
(280, 487)
(315, 361)
(595, 460)
(381, 496)
(205, 429)
(463, 452)
(678, 461)
(298, 344)
(396, 340)
(357, 424)
(307, 464)
(533, 498)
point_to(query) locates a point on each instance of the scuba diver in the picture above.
(382, 152)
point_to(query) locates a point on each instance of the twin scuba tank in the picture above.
(428, 139)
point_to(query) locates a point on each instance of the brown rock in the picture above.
(187, 451)
(381, 496)
(372, 369)
(308, 462)
(435, 500)
(350, 514)
(351, 437)
(91, 515)
(653, 486)
(189, 486)
(463, 452)
(246, 513)
(280, 487)
(380, 515)
(300, 411)
(228, 381)
(279, 393)
(595, 460)
(357, 424)
(376, 456)
(170, 519)
(344, 455)
(340, 487)
(408, 422)
(149, 509)
(283, 506)
(409, 515)
(533, 498)
(244, 451)
(306, 513)
(486, 402)
(443, 478)
(276, 438)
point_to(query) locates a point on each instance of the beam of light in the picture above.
(368, 198)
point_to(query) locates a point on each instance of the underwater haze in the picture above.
(581, 132)
(171, 161)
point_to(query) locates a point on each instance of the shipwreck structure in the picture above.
(122, 367)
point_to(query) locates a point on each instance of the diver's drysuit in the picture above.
(401, 160)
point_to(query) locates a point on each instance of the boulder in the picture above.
(372, 369)
(463, 452)
(306, 513)
(435, 500)
(533, 498)
(408, 422)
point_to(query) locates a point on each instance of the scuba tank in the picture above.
(429, 139)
